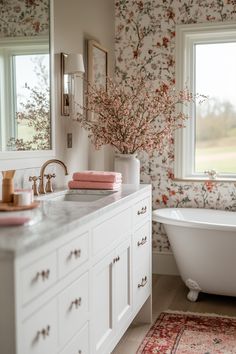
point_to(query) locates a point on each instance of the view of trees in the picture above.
(216, 136)
(33, 115)
(215, 120)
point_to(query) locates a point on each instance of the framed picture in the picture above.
(97, 63)
(97, 66)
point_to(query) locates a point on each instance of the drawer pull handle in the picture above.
(143, 282)
(142, 242)
(116, 259)
(76, 302)
(76, 253)
(44, 332)
(80, 352)
(142, 211)
(44, 274)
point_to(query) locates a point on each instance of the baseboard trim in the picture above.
(164, 263)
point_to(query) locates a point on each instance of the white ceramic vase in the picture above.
(129, 166)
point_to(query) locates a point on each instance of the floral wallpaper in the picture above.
(145, 43)
(19, 18)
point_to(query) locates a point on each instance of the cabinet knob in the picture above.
(142, 242)
(116, 259)
(80, 352)
(44, 274)
(45, 332)
(143, 282)
(76, 302)
(142, 211)
(76, 253)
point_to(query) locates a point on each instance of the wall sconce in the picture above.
(72, 66)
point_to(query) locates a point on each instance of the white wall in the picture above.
(75, 22)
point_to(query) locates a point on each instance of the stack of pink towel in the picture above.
(96, 180)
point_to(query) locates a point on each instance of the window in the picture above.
(205, 63)
(24, 87)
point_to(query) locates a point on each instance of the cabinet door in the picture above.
(123, 287)
(102, 298)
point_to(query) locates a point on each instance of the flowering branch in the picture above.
(133, 116)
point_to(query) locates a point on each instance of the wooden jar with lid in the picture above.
(7, 186)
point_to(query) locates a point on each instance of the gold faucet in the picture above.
(41, 184)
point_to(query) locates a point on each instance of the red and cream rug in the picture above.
(187, 333)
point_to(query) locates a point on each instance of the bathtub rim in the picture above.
(192, 224)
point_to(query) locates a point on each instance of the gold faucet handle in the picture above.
(35, 184)
(48, 188)
(50, 175)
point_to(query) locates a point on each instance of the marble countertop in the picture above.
(53, 218)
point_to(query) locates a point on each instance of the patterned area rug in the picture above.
(187, 333)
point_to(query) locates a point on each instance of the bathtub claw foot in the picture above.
(193, 295)
(194, 289)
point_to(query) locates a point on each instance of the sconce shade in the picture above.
(74, 63)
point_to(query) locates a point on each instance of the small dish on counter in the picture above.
(18, 218)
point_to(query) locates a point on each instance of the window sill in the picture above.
(202, 179)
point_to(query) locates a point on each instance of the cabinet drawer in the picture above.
(40, 331)
(38, 277)
(73, 254)
(73, 308)
(141, 210)
(80, 344)
(113, 229)
(141, 245)
(142, 283)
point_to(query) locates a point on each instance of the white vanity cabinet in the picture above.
(80, 291)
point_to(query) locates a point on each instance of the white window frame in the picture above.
(9, 49)
(187, 36)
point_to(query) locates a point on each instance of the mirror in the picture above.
(25, 107)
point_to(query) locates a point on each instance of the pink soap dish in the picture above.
(14, 221)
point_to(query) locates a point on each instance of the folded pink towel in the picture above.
(13, 221)
(93, 185)
(97, 176)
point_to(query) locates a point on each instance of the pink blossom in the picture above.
(133, 115)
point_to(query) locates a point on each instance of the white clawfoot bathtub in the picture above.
(204, 245)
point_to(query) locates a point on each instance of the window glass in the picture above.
(31, 102)
(25, 110)
(215, 135)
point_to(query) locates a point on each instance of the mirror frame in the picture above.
(32, 159)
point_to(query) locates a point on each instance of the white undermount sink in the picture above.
(82, 196)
